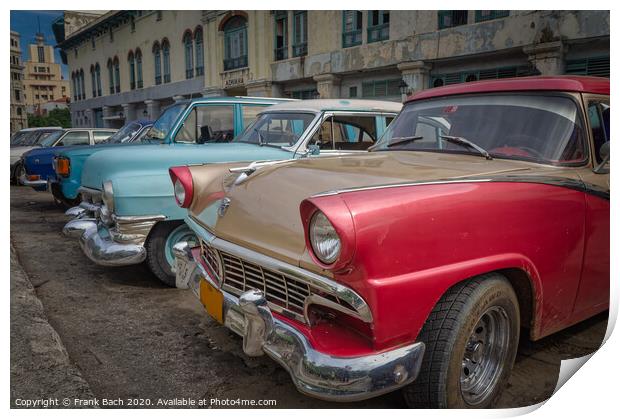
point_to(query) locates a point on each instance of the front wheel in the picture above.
(471, 339)
(19, 171)
(161, 240)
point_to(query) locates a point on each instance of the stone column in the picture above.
(415, 74)
(107, 111)
(328, 86)
(129, 110)
(547, 57)
(152, 108)
(263, 88)
(90, 118)
(211, 91)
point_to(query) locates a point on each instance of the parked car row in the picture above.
(364, 247)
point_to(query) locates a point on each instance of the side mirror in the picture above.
(600, 169)
(604, 150)
(313, 150)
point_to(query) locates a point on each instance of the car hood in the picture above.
(263, 211)
(71, 151)
(144, 161)
(18, 151)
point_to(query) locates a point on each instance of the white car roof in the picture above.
(321, 105)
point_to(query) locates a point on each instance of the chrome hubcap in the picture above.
(181, 233)
(485, 355)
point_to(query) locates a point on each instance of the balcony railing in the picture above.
(300, 49)
(351, 38)
(379, 33)
(189, 73)
(157, 79)
(140, 84)
(200, 71)
(280, 53)
(166, 78)
(237, 62)
(132, 85)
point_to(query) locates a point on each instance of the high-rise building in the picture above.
(43, 80)
(18, 108)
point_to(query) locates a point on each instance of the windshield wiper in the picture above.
(464, 141)
(404, 140)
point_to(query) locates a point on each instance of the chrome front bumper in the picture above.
(100, 248)
(34, 183)
(314, 373)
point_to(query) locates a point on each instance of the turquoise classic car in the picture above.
(129, 213)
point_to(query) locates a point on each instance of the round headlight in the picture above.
(179, 192)
(108, 195)
(324, 239)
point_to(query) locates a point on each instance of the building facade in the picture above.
(43, 80)
(131, 64)
(18, 106)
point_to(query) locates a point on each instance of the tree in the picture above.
(54, 118)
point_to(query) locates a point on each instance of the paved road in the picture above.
(132, 337)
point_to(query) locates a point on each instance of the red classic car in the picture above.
(483, 210)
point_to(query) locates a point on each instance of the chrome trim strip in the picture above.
(317, 281)
(563, 182)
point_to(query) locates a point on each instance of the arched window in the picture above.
(82, 84)
(132, 70)
(98, 78)
(117, 75)
(235, 43)
(74, 86)
(200, 61)
(139, 68)
(157, 58)
(93, 80)
(165, 49)
(111, 76)
(188, 46)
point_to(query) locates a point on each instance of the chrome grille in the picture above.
(237, 276)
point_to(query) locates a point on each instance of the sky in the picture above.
(26, 23)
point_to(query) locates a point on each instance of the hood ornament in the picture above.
(223, 206)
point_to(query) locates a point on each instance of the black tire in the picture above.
(156, 253)
(19, 169)
(448, 331)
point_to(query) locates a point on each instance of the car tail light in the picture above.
(183, 185)
(63, 166)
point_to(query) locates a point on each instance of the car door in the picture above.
(593, 294)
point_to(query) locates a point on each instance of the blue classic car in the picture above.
(37, 162)
(129, 213)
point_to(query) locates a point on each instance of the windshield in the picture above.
(277, 129)
(51, 138)
(538, 128)
(124, 134)
(161, 128)
(18, 136)
(34, 138)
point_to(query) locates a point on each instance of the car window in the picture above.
(75, 138)
(52, 138)
(102, 136)
(344, 132)
(598, 113)
(250, 112)
(207, 124)
(277, 128)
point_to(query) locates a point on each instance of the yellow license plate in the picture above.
(213, 300)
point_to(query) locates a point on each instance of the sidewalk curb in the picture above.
(41, 369)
